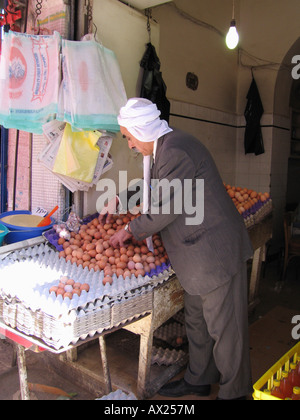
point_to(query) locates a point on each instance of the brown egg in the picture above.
(121, 265)
(137, 258)
(85, 287)
(109, 252)
(144, 249)
(90, 247)
(70, 282)
(86, 257)
(111, 260)
(130, 253)
(140, 273)
(99, 248)
(60, 292)
(107, 279)
(124, 258)
(61, 241)
(68, 295)
(119, 272)
(127, 273)
(53, 289)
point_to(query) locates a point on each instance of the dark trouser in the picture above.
(218, 334)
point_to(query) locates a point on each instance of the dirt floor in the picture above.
(270, 338)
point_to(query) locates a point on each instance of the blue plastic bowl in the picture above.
(3, 232)
(19, 234)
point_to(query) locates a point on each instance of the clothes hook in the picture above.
(148, 13)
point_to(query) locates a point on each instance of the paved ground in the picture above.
(37, 374)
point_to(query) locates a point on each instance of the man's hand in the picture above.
(108, 211)
(120, 238)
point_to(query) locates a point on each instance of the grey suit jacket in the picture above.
(207, 255)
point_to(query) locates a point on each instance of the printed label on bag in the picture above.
(17, 73)
(41, 76)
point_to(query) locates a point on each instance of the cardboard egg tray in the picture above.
(258, 213)
(26, 277)
(167, 357)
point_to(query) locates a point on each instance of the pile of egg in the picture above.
(246, 200)
(91, 248)
(67, 288)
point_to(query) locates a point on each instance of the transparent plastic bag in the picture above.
(92, 91)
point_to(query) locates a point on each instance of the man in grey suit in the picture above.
(208, 254)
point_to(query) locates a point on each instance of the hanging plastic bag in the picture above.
(78, 154)
(29, 80)
(92, 91)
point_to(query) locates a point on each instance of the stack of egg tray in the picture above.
(27, 275)
(257, 213)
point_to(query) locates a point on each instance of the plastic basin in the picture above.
(3, 232)
(19, 234)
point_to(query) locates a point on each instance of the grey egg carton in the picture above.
(170, 332)
(118, 396)
(166, 357)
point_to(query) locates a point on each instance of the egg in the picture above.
(68, 295)
(77, 292)
(60, 292)
(150, 260)
(137, 258)
(68, 288)
(70, 282)
(107, 279)
(53, 289)
(64, 280)
(85, 287)
(139, 266)
(131, 265)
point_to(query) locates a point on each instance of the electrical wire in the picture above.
(262, 63)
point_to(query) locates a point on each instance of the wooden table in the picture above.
(260, 235)
(167, 300)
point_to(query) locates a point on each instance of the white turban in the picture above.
(142, 119)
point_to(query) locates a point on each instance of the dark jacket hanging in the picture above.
(254, 111)
(153, 86)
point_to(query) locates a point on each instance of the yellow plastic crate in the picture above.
(267, 380)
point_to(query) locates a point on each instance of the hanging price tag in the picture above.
(39, 211)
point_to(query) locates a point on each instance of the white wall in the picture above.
(124, 31)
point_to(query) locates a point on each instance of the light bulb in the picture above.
(232, 38)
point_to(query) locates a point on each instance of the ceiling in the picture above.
(145, 4)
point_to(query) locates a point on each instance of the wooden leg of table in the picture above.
(25, 395)
(144, 328)
(105, 366)
(146, 345)
(255, 274)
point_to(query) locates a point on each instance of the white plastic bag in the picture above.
(92, 91)
(29, 80)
